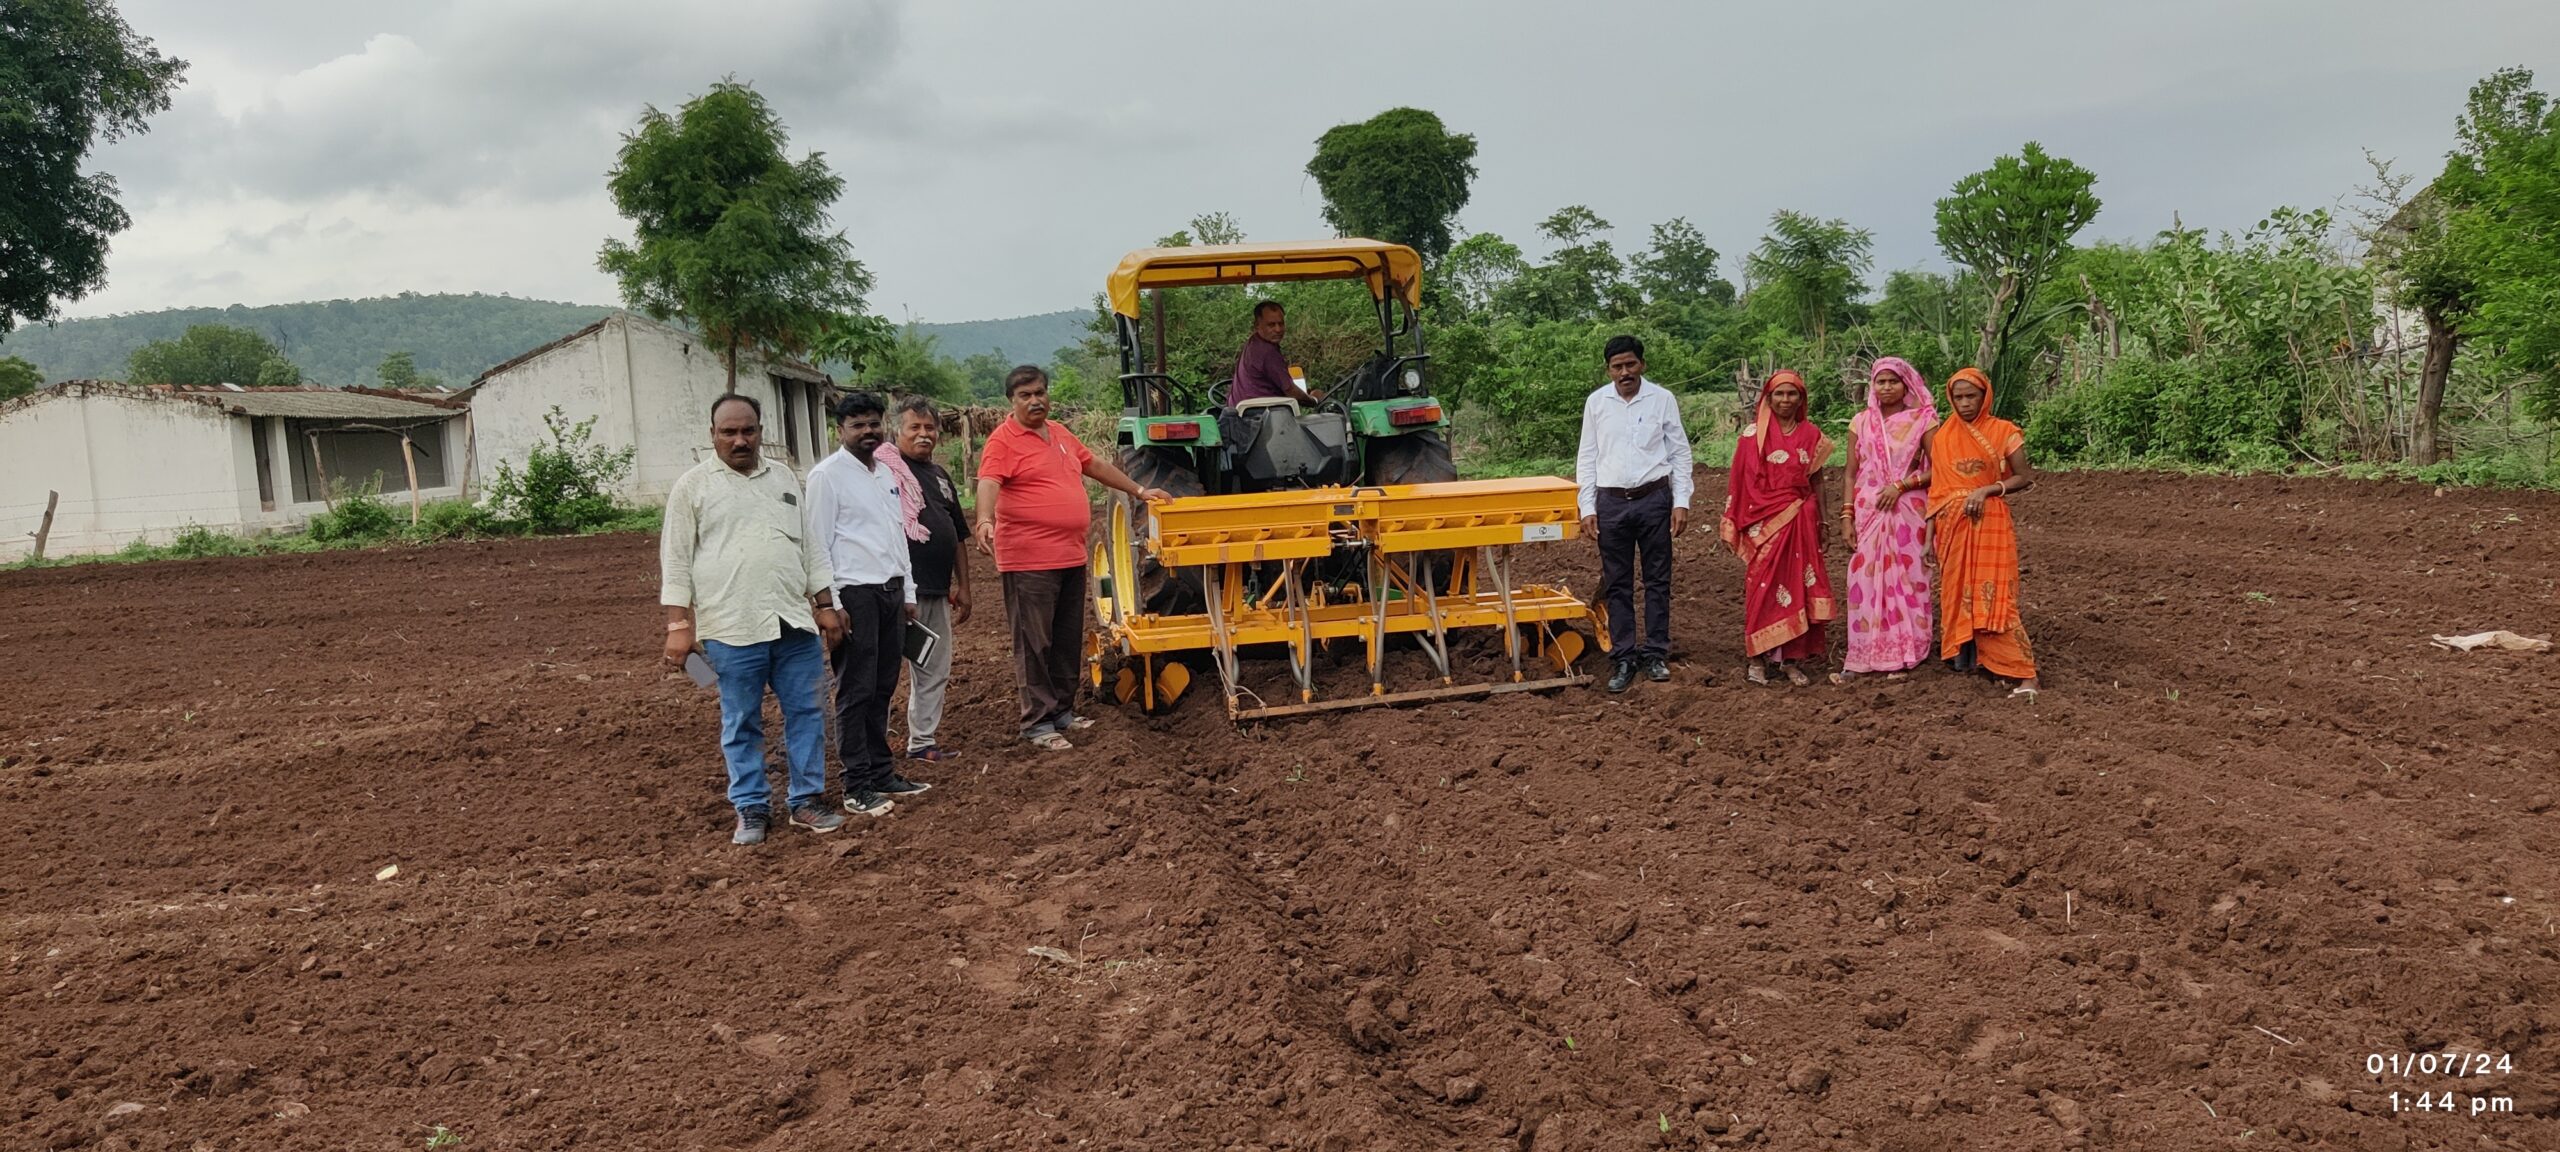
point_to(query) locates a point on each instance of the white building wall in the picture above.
(127, 467)
(648, 386)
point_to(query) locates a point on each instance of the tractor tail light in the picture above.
(1174, 430)
(1423, 414)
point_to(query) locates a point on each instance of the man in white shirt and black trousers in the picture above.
(1635, 475)
(855, 508)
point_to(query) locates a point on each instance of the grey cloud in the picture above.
(1000, 155)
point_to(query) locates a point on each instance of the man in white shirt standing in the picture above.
(856, 511)
(742, 578)
(1635, 475)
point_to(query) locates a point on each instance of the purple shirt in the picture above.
(1260, 371)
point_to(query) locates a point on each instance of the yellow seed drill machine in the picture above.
(1297, 528)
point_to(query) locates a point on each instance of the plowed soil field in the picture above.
(2257, 839)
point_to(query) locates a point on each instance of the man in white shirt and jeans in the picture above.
(856, 513)
(1635, 475)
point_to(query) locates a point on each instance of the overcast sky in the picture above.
(999, 157)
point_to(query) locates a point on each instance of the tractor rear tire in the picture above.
(1413, 458)
(1416, 458)
(1162, 590)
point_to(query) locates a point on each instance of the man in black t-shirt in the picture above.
(941, 571)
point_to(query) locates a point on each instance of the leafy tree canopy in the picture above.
(2010, 224)
(2504, 184)
(73, 76)
(1809, 270)
(209, 354)
(18, 377)
(1400, 176)
(731, 234)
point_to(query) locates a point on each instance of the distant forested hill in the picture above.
(1023, 339)
(337, 342)
(452, 337)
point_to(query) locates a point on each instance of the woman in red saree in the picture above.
(1773, 521)
(1976, 462)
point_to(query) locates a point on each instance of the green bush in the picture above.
(564, 486)
(453, 520)
(359, 517)
(197, 541)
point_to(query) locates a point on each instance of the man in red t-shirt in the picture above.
(1032, 517)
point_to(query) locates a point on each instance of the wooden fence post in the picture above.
(320, 472)
(409, 460)
(45, 529)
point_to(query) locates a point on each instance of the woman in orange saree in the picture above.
(1976, 462)
(1773, 521)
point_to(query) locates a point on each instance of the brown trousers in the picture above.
(1045, 612)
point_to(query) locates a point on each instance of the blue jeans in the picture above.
(795, 666)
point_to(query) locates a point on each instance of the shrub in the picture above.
(196, 541)
(453, 520)
(564, 486)
(360, 516)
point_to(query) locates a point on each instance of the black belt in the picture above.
(1640, 491)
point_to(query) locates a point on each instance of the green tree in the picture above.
(2503, 182)
(279, 372)
(1680, 268)
(1400, 176)
(1476, 272)
(207, 354)
(2010, 224)
(1808, 269)
(18, 377)
(910, 363)
(729, 233)
(851, 341)
(1582, 280)
(400, 370)
(73, 76)
(2416, 267)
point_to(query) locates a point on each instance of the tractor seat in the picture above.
(1289, 402)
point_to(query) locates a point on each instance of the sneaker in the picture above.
(1622, 675)
(1657, 669)
(901, 786)
(930, 753)
(816, 819)
(752, 825)
(865, 802)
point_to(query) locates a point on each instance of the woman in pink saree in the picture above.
(1885, 502)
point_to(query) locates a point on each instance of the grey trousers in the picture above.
(925, 685)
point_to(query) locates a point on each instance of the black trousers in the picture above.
(1633, 531)
(866, 666)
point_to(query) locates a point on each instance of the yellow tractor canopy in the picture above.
(1387, 267)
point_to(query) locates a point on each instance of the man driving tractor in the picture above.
(1261, 370)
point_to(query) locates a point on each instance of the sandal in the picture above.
(1050, 742)
(1796, 676)
(1756, 674)
(2023, 692)
(1079, 723)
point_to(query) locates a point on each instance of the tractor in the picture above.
(1294, 527)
